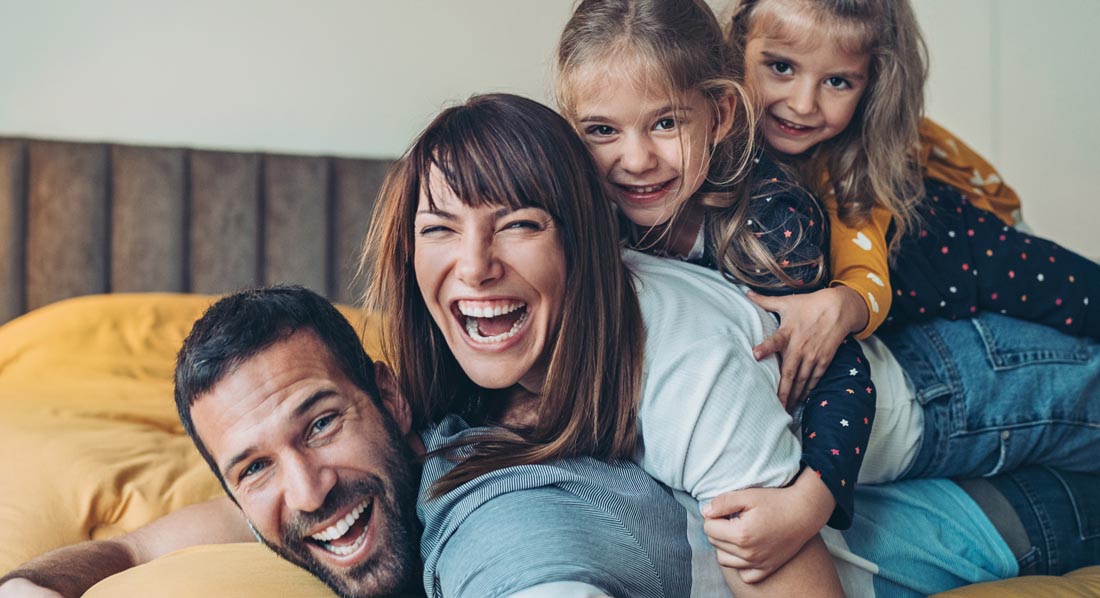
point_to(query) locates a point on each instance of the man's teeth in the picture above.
(471, 329)
(338, 529)
(473, 311)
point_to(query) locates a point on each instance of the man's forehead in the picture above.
(268, 387)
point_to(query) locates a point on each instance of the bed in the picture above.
(108, 253)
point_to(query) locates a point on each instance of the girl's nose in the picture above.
(638, 155)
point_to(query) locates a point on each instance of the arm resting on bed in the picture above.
(71, 570)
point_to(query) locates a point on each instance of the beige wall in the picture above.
(361, 77)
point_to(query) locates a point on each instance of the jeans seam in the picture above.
(1043, 518)
(1083, 534)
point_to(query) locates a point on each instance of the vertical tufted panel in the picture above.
(67, 223)
(296, 220)
(148, 219)
(82, 218)
(13, 163)
(355, 190)
(225, 224)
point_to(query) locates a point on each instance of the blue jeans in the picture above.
(998, 394)
(1061, 513)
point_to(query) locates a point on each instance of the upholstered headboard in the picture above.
(83, 218)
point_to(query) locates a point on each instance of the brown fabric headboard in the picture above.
(82, 218)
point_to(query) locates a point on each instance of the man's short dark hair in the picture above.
(239, 326)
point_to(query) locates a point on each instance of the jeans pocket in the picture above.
(1011, 343)
(1081, 490)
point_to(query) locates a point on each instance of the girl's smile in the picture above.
(653, 147)
(809, 89)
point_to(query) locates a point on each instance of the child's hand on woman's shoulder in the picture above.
(811, 327)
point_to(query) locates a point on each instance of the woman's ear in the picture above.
(392, 397)
(725, 111)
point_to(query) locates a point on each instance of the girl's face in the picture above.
(809, 87)
(652, 147)
(493, 279)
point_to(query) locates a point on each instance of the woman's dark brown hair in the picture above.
(505, 150)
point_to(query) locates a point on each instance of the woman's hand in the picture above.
(811, 327)
(758, 530)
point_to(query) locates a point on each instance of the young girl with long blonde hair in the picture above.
(654, 92)
(652, 89)
(922, 226)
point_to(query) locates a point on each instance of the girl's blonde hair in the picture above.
(874, 158)
(504, 150)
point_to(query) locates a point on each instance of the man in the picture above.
(314, 448)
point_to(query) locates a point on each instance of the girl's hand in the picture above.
(758, 530)
(811, 327)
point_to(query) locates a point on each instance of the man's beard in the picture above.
(394, 566)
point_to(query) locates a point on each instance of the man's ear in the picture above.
(392, 397)
(726, 107)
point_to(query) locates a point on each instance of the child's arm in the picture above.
(759, 529)
(859, 261)
(810, 572)
(945, 158)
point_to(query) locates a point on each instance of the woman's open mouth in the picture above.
(491, 322)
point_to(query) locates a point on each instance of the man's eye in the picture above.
(253, 468)
(838, 82)
(782, 68)
(322, 423)
(665, 124)
(600, 130)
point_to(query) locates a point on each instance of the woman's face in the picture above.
(493, 279)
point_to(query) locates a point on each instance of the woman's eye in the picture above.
(838, 82)
(600, 130)
(432, 230)
(782, 68)
(523, 225)
(665, 124)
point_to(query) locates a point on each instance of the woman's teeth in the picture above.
(476, 317)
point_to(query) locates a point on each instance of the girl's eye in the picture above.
(665, 124)
(600, 130)
(838, 82)
(782, 68)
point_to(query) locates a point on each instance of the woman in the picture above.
(496, 255)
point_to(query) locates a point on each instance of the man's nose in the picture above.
(306, 485)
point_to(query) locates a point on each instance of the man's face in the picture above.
(322, 473)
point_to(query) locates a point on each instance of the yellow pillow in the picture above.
(202, 572)
(90, 444)
(1082, 583)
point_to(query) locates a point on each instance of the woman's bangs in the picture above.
(483, 166)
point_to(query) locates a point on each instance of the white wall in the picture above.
(361, 77)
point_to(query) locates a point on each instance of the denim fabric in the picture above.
(1061, 513)
(998, 394)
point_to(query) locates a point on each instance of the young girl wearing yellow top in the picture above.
(922, 226)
